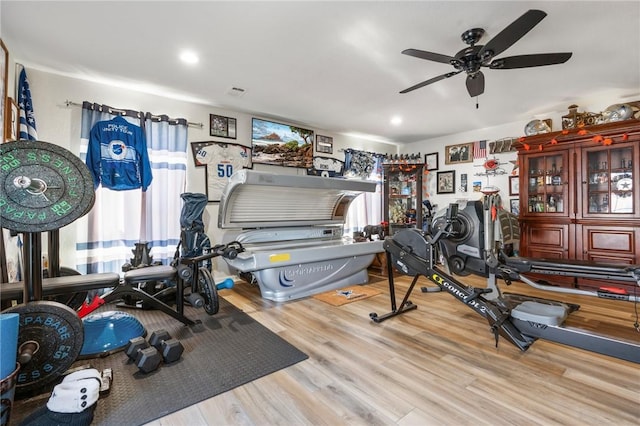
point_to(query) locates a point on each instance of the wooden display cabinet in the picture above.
(403, 196)
(581, 196)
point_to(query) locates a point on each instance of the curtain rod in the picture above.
(71, 103)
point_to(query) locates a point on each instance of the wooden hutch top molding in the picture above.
(629, 127)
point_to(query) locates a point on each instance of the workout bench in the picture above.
(61, 285)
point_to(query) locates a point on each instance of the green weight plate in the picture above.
(42, 186)
(56, 333)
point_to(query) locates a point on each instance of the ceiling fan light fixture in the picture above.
(486, 55)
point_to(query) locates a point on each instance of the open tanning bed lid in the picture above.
(254, 199)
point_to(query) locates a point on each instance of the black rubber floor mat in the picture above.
(226, 350)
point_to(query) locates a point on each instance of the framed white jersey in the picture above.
(326, 167)
(220, 160)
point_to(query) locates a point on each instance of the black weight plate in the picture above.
(58, 333)
(208, 290)
(42, 186)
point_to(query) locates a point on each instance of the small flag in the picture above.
(27, 115)
(480, 149)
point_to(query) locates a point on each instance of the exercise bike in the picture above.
(519, 319)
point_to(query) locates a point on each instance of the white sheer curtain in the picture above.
(120, 219)
(167, 146)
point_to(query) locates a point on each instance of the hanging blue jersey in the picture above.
(117, 155)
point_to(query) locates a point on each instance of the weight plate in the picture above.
(42, 186)
(55, 332)
(208, 290)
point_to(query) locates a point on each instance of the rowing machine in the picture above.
(521, 320)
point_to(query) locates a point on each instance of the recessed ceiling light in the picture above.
(189, 57)
(396, 121)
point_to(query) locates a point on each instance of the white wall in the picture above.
(508, 130)
(471, 169)
(59, 124)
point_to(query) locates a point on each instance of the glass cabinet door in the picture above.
(403, 199)
(547, 183)
(610, 180)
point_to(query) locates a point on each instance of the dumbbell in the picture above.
(169, 348)
(147, 358)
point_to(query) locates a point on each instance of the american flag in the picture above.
(27, 116)
(480, 149)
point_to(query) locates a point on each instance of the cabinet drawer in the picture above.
(610, 244)
(546, 236)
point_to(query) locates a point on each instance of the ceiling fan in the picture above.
(472, 58)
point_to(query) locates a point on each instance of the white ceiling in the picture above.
(336, 65)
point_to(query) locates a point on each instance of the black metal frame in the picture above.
(497, 311)
(497, 316)
(33, 279)
(230, 250)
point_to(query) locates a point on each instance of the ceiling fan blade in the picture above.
(475, 84)
(514, 32)
(526, 61)
(429, 56)
(431, 80)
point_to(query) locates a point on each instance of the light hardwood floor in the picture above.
(437, 365)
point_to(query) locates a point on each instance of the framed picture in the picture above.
(222, 127)
(431, 161)
(12, 121)
(4, 72)
(280, 144)
(324, 144)
(514, 185)
(446, 182)
(515, 206)
(461, 153)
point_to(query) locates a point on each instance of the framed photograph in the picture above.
(461, 153)
(324, 144)
(222, 127)
(514, 185)
(4, 72)
(515, 206)
(431, 161)
(446, 182)
(280, 144)
(12, 121)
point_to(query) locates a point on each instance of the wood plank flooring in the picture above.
(437, 365)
